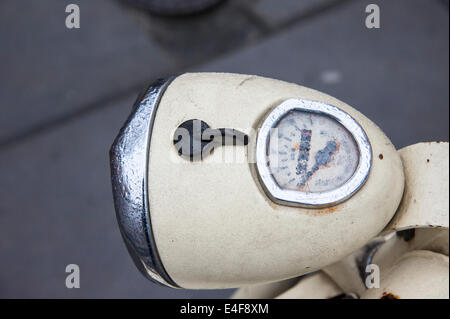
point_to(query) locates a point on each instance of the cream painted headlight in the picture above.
(231, 218)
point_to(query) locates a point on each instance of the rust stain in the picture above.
(329, 210)
(389, 295)
(324, 211)
(380, 156)
(311, 212)
(296, 146)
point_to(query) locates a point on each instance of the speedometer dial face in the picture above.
(311, 152)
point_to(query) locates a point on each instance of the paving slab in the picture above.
(56, 209)
(397, 75)
(48, 71)
(194, 39)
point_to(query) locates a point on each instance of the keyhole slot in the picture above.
(195, 139)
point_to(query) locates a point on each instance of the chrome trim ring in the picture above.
(129, 166)
(310, 199)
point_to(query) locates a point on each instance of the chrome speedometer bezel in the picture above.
(310, 199)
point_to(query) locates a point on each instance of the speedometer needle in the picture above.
(323, 157)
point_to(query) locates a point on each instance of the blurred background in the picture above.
(64, 94)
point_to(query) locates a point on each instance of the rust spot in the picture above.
(338, 147)
(325, 211)
(296, 146)
(380, 156)
(330, 210)
(389, 295)
(428, 160)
